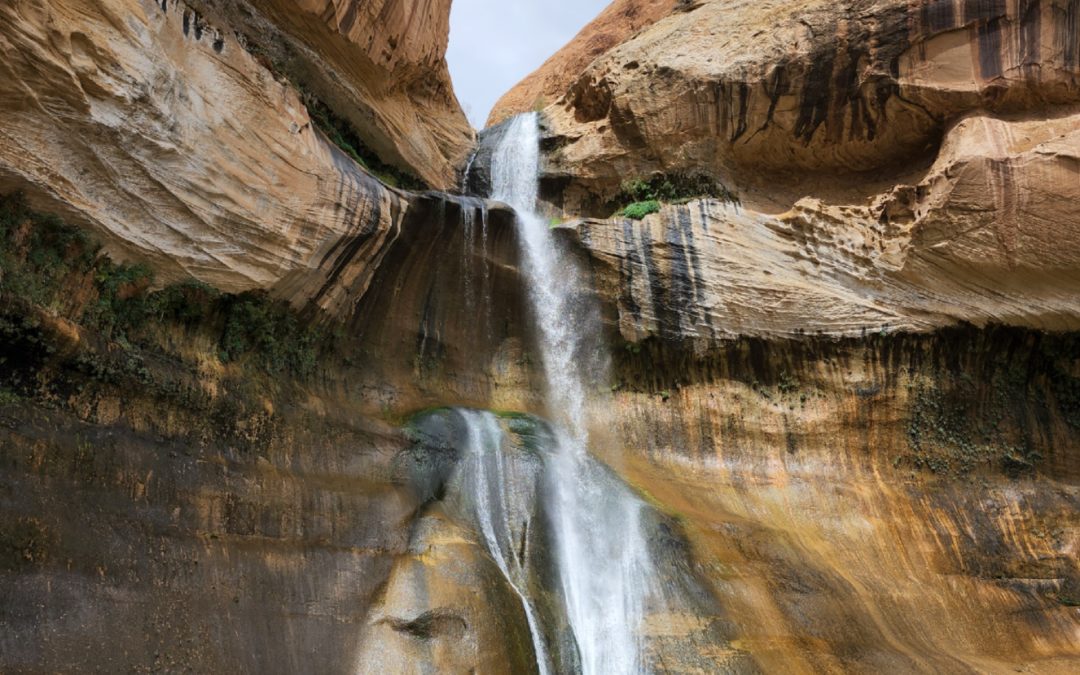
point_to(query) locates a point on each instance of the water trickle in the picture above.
(476, 283)
(468, 169)
(468, 221)
(604, 566)
(503, 514)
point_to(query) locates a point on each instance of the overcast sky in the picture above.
(495, 43)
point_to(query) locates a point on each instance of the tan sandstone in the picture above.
(786, 98)
(158, 128)
(379, 64)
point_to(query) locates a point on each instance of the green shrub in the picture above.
(673, 188)
(187, 303)
(256, 323)
(121, 297)
(639, 210)
(38, 252)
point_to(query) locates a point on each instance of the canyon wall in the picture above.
(380, 65)
(848, 383)
(773, 95)
(869, 505)
(839, 168)
(168, 133)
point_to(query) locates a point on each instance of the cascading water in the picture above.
(552, 278)
(604, 567)
(502, 513)
(581, 555)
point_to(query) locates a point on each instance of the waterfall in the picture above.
(498, 508)
(605, 570)
(551, 277)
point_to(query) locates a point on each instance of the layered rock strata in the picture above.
(989, 235)
(158, 128)
(380, 65)
(888, 503)
(882, 166)
(763, 95)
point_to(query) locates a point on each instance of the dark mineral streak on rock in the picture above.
(631, 264)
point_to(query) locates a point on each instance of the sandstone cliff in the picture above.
(759, 94)
(161, 129)
(873, 166)
(549, 82)
(848, 459)
(380, 65)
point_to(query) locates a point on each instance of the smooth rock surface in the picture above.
(176, 144)
(379, 64)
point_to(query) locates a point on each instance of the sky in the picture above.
(496, 43)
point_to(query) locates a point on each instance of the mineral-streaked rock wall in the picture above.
(799, 472)
(894, 165)
(989, 234)
(271, 528)
(771, 94)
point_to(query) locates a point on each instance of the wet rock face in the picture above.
(751, 90)
(190, 548)
(447, 601)
(890, 502)
(478, 179)
(886, 502)
(483, 545)
(440, 316)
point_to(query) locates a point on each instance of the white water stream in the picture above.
(503, 514)
(604, 567)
